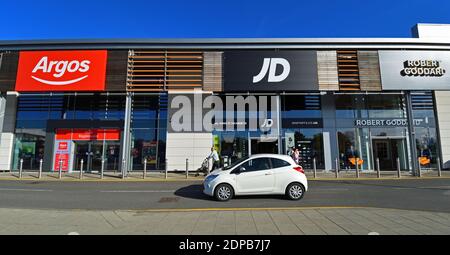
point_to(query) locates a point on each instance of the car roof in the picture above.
(266, 155)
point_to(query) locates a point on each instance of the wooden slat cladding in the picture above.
(212, 71)
(8, 70)
(348, 71)
(369, 70)
(164, 70)
(327, 70)
(116, 70)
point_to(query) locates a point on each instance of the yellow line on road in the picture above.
(246, 209)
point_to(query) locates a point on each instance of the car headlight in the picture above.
(211, 177)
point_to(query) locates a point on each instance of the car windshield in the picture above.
(235, 163)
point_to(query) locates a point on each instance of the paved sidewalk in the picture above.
(181, 176)
(311, 221)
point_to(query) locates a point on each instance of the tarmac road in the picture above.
(424, 195)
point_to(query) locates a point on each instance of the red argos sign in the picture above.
(83, 70)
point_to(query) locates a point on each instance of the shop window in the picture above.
(309, 141)
(386, 106)
(29, 146)
(427, 147)
(148, 128)
(350, 106)
(308, 106)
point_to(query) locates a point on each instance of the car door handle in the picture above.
(268, 173)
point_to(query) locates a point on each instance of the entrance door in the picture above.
(387, 151)
(112, 155)
(97, 155)
(81, 152)
(259, 147)
(91, 152)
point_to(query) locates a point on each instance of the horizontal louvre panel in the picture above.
(422, 101)
(348, 71)
(327, 70)
(164, 70)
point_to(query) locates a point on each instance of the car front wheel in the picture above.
(295, 191)
(223, 192)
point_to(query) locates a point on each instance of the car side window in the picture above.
(278, 163)
(257, 164)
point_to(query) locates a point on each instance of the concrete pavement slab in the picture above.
(245, 225)
(264, 223)
(284, 223)
(324, 223)
(206, 223)
(356, 221)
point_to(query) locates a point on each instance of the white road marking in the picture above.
(73, 234)
(373, 234)
(27, 190)
(435, 187)
(137, 191)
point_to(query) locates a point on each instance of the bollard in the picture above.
(420, 168)
(439, 167)
(40, 168)
(102, 170)
(145, 168)
(20, 168)
(357, 168)
(166, 169)
(315, 168)
(81, 168)
(337, 168)
(378, 168)
(187, 171)
(60, 169)
(123, 168)
(399, 174)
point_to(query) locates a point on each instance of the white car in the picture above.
(258, 174)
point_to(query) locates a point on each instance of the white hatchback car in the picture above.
(259, 174)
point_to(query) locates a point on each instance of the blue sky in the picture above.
(84, 19)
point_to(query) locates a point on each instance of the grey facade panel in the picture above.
(415, 70)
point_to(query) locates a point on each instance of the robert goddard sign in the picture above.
(415, 70)
(387, 122)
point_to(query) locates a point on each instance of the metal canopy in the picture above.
(230, 43)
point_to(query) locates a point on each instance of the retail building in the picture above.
(115, 103)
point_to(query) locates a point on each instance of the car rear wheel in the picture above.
(223, 192)
(295, 191)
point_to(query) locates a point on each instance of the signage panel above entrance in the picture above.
(83, 70)
(270, 71)
(415, 70)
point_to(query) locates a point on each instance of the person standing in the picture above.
(296, 156)
(215, 157)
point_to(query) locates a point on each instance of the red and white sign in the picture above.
(63, 146)
(62, 156)
(88, 134)
(80, 70)
(62, 159)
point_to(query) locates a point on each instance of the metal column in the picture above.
(126, 136)
(412, 134)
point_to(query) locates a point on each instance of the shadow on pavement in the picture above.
(196, 192)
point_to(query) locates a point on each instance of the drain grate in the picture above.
(168, 200)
